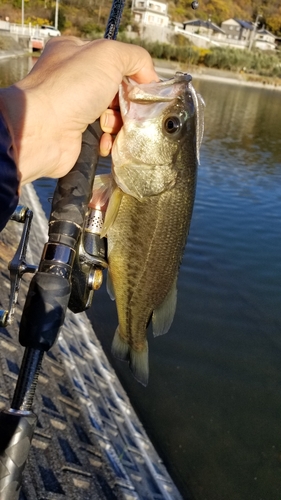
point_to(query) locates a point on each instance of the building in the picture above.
(206, 28)
(151, 17)
(150, 13)
(264, 40)
(238, 30)
(245, 34)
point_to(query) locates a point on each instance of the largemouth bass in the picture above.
(155, 157)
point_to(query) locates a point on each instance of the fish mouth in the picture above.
(164, 91)
(147, 100)
(150, 91)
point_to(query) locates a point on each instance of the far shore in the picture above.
(167, 69)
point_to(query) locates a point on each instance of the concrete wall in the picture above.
(156, 33)
(4, 25)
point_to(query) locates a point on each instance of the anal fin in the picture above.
(138, 360)
(139, 365)
(119, 348)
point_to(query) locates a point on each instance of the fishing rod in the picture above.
(69, 271)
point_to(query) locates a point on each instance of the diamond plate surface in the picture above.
(88, 443)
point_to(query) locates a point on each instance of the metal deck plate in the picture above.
(89, 443)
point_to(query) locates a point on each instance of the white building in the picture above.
(246, 34)
(206, 28)
(264, 40)
(150, 12)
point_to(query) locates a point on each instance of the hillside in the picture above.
(82, 17)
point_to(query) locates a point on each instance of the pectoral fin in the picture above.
(112, 210)
(102, 190)
(163, 316)
(109, 286)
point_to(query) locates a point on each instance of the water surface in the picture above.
(213, 403)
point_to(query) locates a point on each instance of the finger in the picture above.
(111, 121)
(137, 63)
(115, 103)
(106, 142)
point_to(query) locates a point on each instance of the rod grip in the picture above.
(74, 190)
(44, 311)
(16, 431)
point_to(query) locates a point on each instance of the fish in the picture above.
(154, 168)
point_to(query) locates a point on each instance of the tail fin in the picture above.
(138, 360)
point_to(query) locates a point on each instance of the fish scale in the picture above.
(147, 235)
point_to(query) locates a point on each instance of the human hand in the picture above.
(110, 122)
(71, 85)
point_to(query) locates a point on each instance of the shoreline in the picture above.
(166, 69)
(216, 75)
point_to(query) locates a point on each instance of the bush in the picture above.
(256, 61)
(170, 52)
(226, 58)
(90, 28)
(238, 60)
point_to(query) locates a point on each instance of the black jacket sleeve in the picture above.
(9, 182)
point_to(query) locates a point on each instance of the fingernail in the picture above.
(106, 147)
(107, 120)
(104, 119)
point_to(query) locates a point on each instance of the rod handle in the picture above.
(16, 431)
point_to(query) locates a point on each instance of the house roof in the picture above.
(265, 32)
(247, 25)
(204, 24)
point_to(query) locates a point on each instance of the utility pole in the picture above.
(22, 13)
(252, 37)
(209, 28)
(57, 14)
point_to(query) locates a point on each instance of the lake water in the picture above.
(213, 403)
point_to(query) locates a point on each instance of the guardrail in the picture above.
(32, 31)
(194, 36)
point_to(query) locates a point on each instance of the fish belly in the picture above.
(145, 246)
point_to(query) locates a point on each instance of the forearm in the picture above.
(9, 179)
(34, 146)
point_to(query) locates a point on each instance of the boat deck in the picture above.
(89, 443)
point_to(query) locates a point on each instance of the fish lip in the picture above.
(126, 96)
(178, 77)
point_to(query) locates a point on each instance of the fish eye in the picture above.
(172, 124)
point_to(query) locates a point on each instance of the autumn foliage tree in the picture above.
(82, 16)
